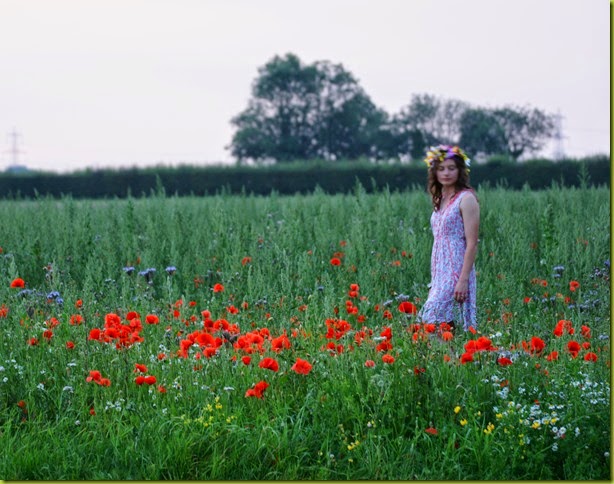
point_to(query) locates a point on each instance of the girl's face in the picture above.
(447, 173)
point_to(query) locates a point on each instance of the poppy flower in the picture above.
(94, 376)
(537, 345)
(573, 285)
(139, 380)
(246, 260)
(33, 341)
(335, 261)
(70, 345)
(590, 356)
(138, 367)
(18, 283)
(269, 364)
(431, 430)
(503, 361)
(369, 363)
(407, 308)
(553, 356)
(218, 287)
(574, 348)
(447, 336)
(388, 359)
(302, 367)
(152, 319)
(466, 358)
(150, 380)
(258, 390)
(246, 360)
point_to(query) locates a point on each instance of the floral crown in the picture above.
(444, 152)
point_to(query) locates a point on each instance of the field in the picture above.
(274, 338)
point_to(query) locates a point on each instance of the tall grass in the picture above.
(424, 415)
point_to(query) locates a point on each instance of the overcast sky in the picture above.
(116, 83)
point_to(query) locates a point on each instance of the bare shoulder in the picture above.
(469, 200)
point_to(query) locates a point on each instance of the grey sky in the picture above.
(109, 83)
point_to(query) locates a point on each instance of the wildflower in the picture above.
(129, 270)
(590, 356)
(258, 390)
(269, 364)
(70, 345)
(301, 367)
(218, 287)
(246, 260)
(388, 359)
(463, 422)
(76, 320)
(457, 409)
(18, 283)
(573, 285)
(33, 341)
(431, 430)
(407, 308)
(537, 345)
(574, 348)
(152, 319)
(489, 428)
(553, 356)
(369, 363)
(170, 270)
(335, 261)
(466, 358)
(503, 361)
(140, 368)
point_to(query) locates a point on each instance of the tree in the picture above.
(306, 111)
(526, 129)
(428, 120)
(481, 133)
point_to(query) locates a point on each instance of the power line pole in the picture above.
(559, 149)
(14, 151)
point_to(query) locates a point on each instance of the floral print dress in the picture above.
(449, 247)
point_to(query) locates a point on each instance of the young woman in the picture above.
(455, 222)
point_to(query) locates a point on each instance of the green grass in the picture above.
(343, 420)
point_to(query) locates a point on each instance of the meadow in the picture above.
(275, 338)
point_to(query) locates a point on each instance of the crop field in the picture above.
(276, 338)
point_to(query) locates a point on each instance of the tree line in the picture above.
(314, 111)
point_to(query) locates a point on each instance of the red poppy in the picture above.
(369, 363)
(70, 345)
(280, 343)
(48, 334)
(431, 430)
(537, 345)
(503, 361)
(94, 376)
(246, 360)
(407, 308)
(269, 364)
(18, 283)
(138, 367)
(466, 358)
(389, 359)
(218, 287)
(335, 261)
(258, 390)
(573, 285)
(301, 367)
(246, 260)
(33, 341)
(152, 319)
(139, 380)
(553, 356)
(590, 356)
(150, 380)
(574, 348)
(447, 336)
(585, 331)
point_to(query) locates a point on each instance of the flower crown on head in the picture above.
(444, 152)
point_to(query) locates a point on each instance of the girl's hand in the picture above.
(461, 291)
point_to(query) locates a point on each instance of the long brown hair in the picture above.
(434, 187)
